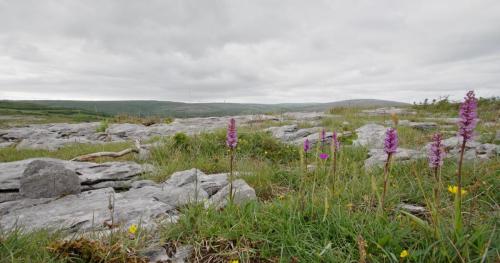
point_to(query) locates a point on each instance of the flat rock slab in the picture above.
(378, 157)
(85, 211)
(55, 136)
(89, 173)
(146, 203)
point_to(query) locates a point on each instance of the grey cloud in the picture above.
(248, 51)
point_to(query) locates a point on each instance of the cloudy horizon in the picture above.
(249, 51)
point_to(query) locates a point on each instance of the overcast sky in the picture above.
(263, 51)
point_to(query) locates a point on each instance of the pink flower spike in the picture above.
(307, 146)
(232, 136)
(468, 116)
(391, 141)
(436, 151)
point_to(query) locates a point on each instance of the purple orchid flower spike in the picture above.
(232, 136)
(336, 141)
(391, 141)
(307, 146)
(468, 116)
(436, 151)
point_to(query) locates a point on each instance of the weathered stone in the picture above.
(45, 179)
(213, 183)
(413, 209)
(12, 206)
(389, 111)
(370, 135)
(242, 193)
(142, 183)
(117, 185)
(89, 173)
(304, 116)
(488, 149)
(424, 126)
(456, 142)
(160, 254)
(184, 177)
(378, 157)
(280, 131)
(169, 194)
(89, 210)
(9, 196)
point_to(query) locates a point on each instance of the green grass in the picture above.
(67, 152)
(308, 216)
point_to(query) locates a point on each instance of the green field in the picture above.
(308, 216)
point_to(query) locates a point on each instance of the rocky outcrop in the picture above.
(473, 149)
(89, 174)
(145, 202)
(377, 157)
(389, 111)
(242, 193)
(370, 136)
(291, 134)
(423, 126)
(55, 136)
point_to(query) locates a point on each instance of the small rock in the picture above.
(242, 193)
(44, 179)
(413, 209)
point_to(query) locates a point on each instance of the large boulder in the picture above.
(370, 136)
(45, 179)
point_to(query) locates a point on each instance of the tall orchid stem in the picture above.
(458, 196)
(231, 161)
(334, 168)
(386, 178)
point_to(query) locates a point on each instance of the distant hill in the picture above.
(180, 109)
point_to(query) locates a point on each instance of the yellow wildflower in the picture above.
(404, 253)
(265, 152)
(132, 229)
(454, 190)
(234, 261)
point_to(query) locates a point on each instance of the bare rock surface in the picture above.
(88, 173)
(389, 111)
(242, 193)
(142, 202)
(378, 157)
(45, 179)
(88, 210)
(55, 136)
(473, 149)
(370, 135)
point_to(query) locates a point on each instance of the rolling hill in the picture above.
(180, 109)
